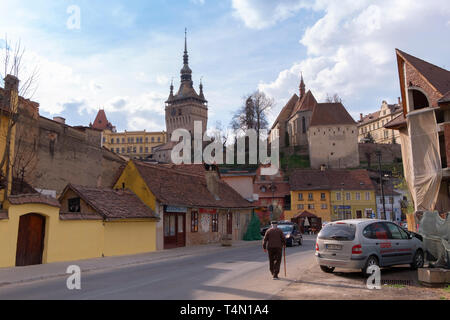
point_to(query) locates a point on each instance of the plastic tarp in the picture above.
(422, 159)
(436, 236)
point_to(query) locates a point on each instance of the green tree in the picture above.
(253, 229)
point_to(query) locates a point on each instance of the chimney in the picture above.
(11, 88)
(399, 101)
(212, 183)
(11, 83)
(60, 120)
(361, 117)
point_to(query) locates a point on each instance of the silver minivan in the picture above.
(360, 243)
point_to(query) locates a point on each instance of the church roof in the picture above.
(330, 114)
(306, 103)
(438, 77)
(101, 122)
(287, 110)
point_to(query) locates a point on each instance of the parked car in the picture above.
(292, 233)
(360, 243)
(263, 230)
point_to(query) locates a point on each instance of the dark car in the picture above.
(264, 229)
(292, 234)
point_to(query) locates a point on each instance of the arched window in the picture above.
(418, 100)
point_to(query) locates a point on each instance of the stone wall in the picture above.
(65, 154)
(390, 153)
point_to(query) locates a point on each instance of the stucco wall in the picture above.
(242, 184)
(67, 240)
(334, 146)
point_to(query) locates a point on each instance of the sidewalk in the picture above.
(16, 275)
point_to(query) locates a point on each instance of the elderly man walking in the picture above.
(273, 242)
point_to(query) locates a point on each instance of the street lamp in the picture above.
(378, 153)
(272, 188)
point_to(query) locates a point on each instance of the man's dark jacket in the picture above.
(274, 238)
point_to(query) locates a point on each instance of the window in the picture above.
(141, 149)
(310, 196)
(322, 196)
(159, 139)
(300, 207)
(117, 140)
(358, 196)
(348, 196)
(117, 150)
(146, 139)
(300, 196)
(367, 195)
(146, 149)
(74, 205)
(324, 206)
(123, 150)
(215, 222)
(194, 221)
(104, 139)
(394, 231)
(375, 231)
(123, 140)
(338, 196)
(153, 139)
(134, 149)
(311, 206)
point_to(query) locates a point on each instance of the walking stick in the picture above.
(284, 255)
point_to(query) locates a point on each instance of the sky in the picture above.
(122, 55)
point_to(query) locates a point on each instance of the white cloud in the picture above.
(260, 14)
(350, 50)
(139, 124)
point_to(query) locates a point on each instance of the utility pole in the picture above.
(378, 153)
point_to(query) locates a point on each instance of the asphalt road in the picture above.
(237, 273)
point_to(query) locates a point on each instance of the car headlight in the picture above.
(288, 235)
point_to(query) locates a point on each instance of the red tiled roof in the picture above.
(375, 115)
(305, 214)
(101, 122)
(185, 185)
(307, 103)
(33, 198)
(330, 114)
(113, 204)
(287, 110)
(396, 123)
(445, 98)
(437, 76)
(330, 179)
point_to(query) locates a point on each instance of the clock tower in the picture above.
(186, 106)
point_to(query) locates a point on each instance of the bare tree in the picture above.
(333, 99)
(12, 65)
(253, 114)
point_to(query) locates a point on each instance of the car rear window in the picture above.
(338, 231)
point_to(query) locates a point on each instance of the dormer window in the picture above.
(74, 205)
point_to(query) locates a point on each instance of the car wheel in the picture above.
(418, 260)
(327, 269)
(371, 261)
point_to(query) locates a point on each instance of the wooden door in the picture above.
(358, 214)
(174, 230)
(181, 234)
(30, 240)
(229, 223)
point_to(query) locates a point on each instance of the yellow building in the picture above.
(314, 201)
(133, 144)
(352, 204)
(332, 194)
